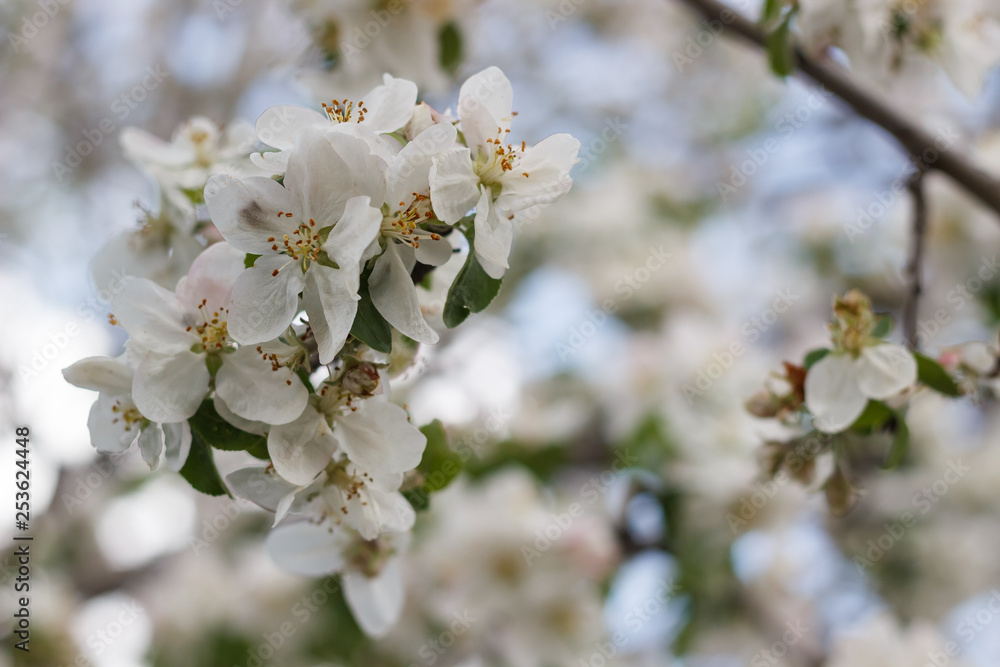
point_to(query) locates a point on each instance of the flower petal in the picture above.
(260, 485)
(434, 252)
(211, 278)
(151, 444)
(170, 388)
(484, 106)
(279, 125)
(177, 444)
(395, 297)
(354, 232)
(301, 449)
(263, 304)
(380, 438)
(154, 317)
(885, 370)
(376, 602)
(245, 211)
(494, 236)
(252, 389)
(101, 374)
(390, 106)
(410, 170)
(331, 302)
(454, 185)
(832, 393)
(307, 548)
(547, 165)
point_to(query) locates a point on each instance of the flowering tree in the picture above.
(452, 385)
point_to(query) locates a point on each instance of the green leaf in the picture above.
(369, 326)
(250, 259)
(772, 10)
(217, 432)
(876, 415)
(900, 444)
(440, 464)
(259, 450)
(813, 356)
(450, 45)
(471, 292)
(933, 374)
(884, 325)
(199, 469)
(778, 43)
(418, 498)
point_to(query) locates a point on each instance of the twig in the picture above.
(914, 268)
(914, 139)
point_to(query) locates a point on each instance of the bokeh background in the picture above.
(590, 357)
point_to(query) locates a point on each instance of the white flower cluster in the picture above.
(281, 329)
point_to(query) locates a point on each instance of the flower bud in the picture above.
(360, 380)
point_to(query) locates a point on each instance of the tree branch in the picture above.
(914, 268)
(914, 139)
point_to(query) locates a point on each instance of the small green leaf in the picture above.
(217, 432)
(418, 498)
(884, 325)
(813, 356)
(450, 45)
(325, 260)
(199, 469)
(900, 444)
(250, 259)
(440, 464)
(876, 415)
(259, 450)
(772, 10)
(471, 292)
(780, 53)
(933, 374)
(369, 326)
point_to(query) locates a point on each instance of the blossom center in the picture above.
(345, 111)
(497, 159)
(213, 332)
(401, 224)
(126, 413)
(303, 245)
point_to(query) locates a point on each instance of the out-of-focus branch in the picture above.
(914, 139)
(914, 268)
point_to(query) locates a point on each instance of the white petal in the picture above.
(211, 278)
(260, 485)
(101, 374)
(248, 425)
(154, 317)
(395, 511)
(484, 106)
(177, 444)
(253, 390)
(331, 302)
(434, 252)
(301, 449)
(279, 125)
(380, 438)
(494, 236)
(263, 304)
(327, 169)
(454, 185)
(390, 106)
(245, 211)
(354, 232)
(307, 548)
(357, 507)
(410, 170)
(151, 444)
(170, 388)
(147, 149)
(395, 297)
(547, 164)
(832, 393)
(108, 431)
(378, 601)
(885, 370)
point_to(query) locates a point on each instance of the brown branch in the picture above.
(914, 268)
(914, 139)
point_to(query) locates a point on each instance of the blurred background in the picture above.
(715, 208)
